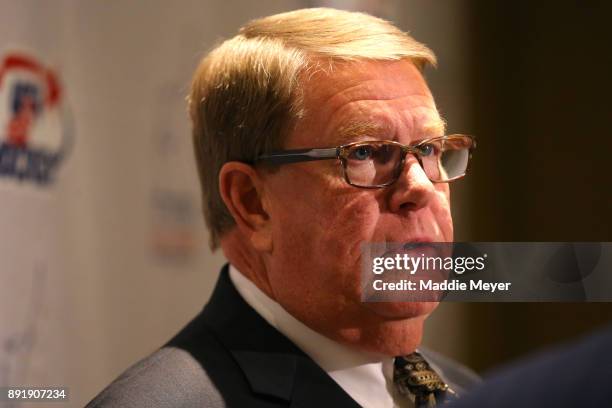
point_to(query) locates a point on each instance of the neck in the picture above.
(240, 253)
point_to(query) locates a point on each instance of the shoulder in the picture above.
(170, 377)
(572, 375)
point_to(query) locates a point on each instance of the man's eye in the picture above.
(362, 153)
(427, 150)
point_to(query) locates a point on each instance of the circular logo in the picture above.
(35, 131)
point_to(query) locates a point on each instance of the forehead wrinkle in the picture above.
(357, 93)
(386, 119)
(423, 123)
(347, 97)
(382, 125)
(351, 102)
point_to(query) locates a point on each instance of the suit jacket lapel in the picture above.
(311, 389)
(272, 364)
(268, 373)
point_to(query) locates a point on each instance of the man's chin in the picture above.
(400, 310)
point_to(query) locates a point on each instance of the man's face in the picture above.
(319, 221)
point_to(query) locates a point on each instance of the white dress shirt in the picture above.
(366, 377)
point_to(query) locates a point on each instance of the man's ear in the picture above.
(242, 192)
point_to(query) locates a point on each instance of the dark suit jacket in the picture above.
(230, 356)
(578, 375)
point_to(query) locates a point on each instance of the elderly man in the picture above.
(314, 132)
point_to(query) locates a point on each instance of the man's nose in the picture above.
(413, 189)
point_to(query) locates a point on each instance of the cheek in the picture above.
(323, 216)
(320, 258)
(327, 227)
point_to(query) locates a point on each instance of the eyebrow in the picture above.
(434, 128)
(349, 132)
(357, 129)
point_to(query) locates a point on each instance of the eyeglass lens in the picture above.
(379, 163)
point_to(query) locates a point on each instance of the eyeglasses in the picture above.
(377, 164)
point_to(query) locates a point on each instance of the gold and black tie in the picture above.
(416, 380)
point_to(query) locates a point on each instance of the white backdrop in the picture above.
(106, 263)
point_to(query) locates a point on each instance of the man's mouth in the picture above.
(411, 248)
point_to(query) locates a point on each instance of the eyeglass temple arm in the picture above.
(299, 155)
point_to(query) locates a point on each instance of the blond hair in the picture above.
(246, 94)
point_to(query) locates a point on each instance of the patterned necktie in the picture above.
(416, 380)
